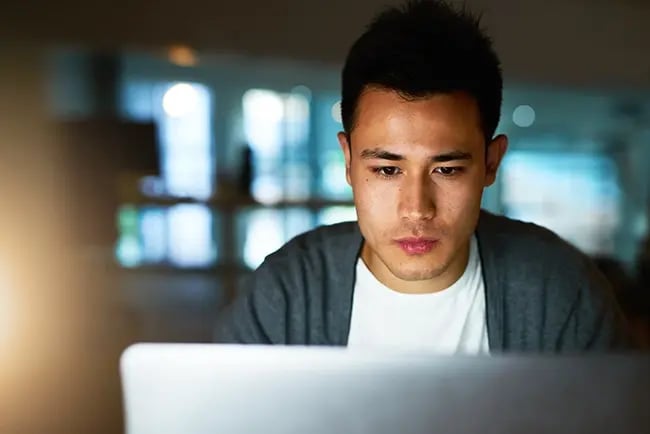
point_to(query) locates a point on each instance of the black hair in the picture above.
(420, 49)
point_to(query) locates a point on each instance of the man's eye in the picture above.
(448, 171)
(387, 171)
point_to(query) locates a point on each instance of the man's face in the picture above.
(417, 171)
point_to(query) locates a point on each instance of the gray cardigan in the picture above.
(542, 294)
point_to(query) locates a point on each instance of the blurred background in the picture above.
(152, 154)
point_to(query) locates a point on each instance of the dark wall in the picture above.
(573, 42)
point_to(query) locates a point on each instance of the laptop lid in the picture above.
(209, 388)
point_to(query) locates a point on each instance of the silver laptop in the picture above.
(226, 389)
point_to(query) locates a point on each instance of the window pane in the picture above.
(333, 184)
(277, 128)
(263, 235)
(129, 248)
(297, 221)
(575, 195)
(153, 229)
(184, 114)
(337, 214)
(264, 231)
(190, 236)
(138, 100)
(181, 235)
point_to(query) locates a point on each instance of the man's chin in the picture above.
(410, 275)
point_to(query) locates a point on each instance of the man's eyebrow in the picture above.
(380, 154)
(451, 156)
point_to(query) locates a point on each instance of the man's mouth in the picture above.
(416, 246)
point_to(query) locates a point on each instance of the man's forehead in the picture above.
(385, 110)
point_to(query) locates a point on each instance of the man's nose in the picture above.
(417, 201)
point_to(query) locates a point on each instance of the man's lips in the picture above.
(416, 246)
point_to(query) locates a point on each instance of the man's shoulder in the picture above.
(533, 263)
(503, 226)
(332, 241)
(521, 241)
(552, 290)
(297, 290)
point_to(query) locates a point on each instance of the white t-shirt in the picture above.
(451, 321)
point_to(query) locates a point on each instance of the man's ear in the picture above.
(495, 151)
(345, 147)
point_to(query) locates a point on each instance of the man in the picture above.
(424, 268)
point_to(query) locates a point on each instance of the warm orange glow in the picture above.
(182, 55)
(5, 309)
